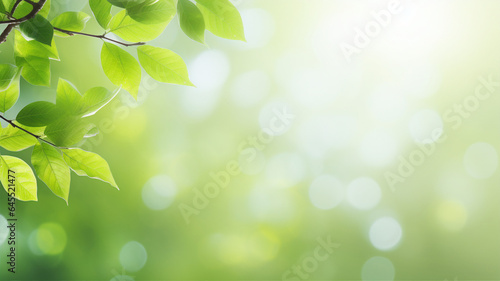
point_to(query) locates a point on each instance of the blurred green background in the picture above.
(321, 176)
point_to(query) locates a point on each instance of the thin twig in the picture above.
(11, 122)
(14, 22)
(71, 33)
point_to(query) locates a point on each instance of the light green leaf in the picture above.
(152, 11)
(39, 29)
(102, 11)
(68, 131)
(163, 65)
(191, 20)
(95, 99)
(33, 48)
(222, 19)
(133, 31)
(21, 176)
(7, 74)
(15, 139)
(121, 68)
(9, 96)
(72, 21)
(25, 8)
(68, 98)
(35, 70)
(124, 3)
(51, 169)
(38, 114)
(88, 164)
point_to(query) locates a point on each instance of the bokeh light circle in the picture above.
(364, 193)
(385, 233)
(159, 192)
(481, 160)
(133, 256)
(51, 238)
(378, 268)
(4, 231)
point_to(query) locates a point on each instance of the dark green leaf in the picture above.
(152, 11)
(191, 20)
(39, 29)
(38, 114)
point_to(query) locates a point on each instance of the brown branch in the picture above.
(11, 122)
(14, 22)
(103, 37)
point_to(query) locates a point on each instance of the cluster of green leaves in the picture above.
(56, 130)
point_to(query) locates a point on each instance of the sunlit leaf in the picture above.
(102, 11)
(68, 98)
(33, 48)
(89, 164)
(25, 8)
(121, 68)
(9, 96)
(133, 31)
(163, 65)
(71, 21)
(7, 74)
(51, 168)
(20, 178)
(191, 20)
(68, 131)
(15, 139)
(95, 99)
(222, 19)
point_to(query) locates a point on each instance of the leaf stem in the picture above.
(103, 37)
(11, 122)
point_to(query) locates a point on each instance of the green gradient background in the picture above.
(237, 239)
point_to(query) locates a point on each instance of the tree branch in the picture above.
(11, 122)
(14, 22)
(103, 37)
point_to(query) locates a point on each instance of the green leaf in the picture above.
(222, 19)
(39, 29)
(163, 65)
(15, 139)
(152, 11)
(33, 57)
(102, 11)
(7, 74)
(121, 68)
(68, 131)
(68, 98)
(38, 114)
(88, 164)
(191, 20)
(51, 169)
(25, 8)
(95, 99)
(35, 70)
(33, 48)
(9, 96)
(72, 21)
(124, 3)
(23, 179)
(133, 31)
